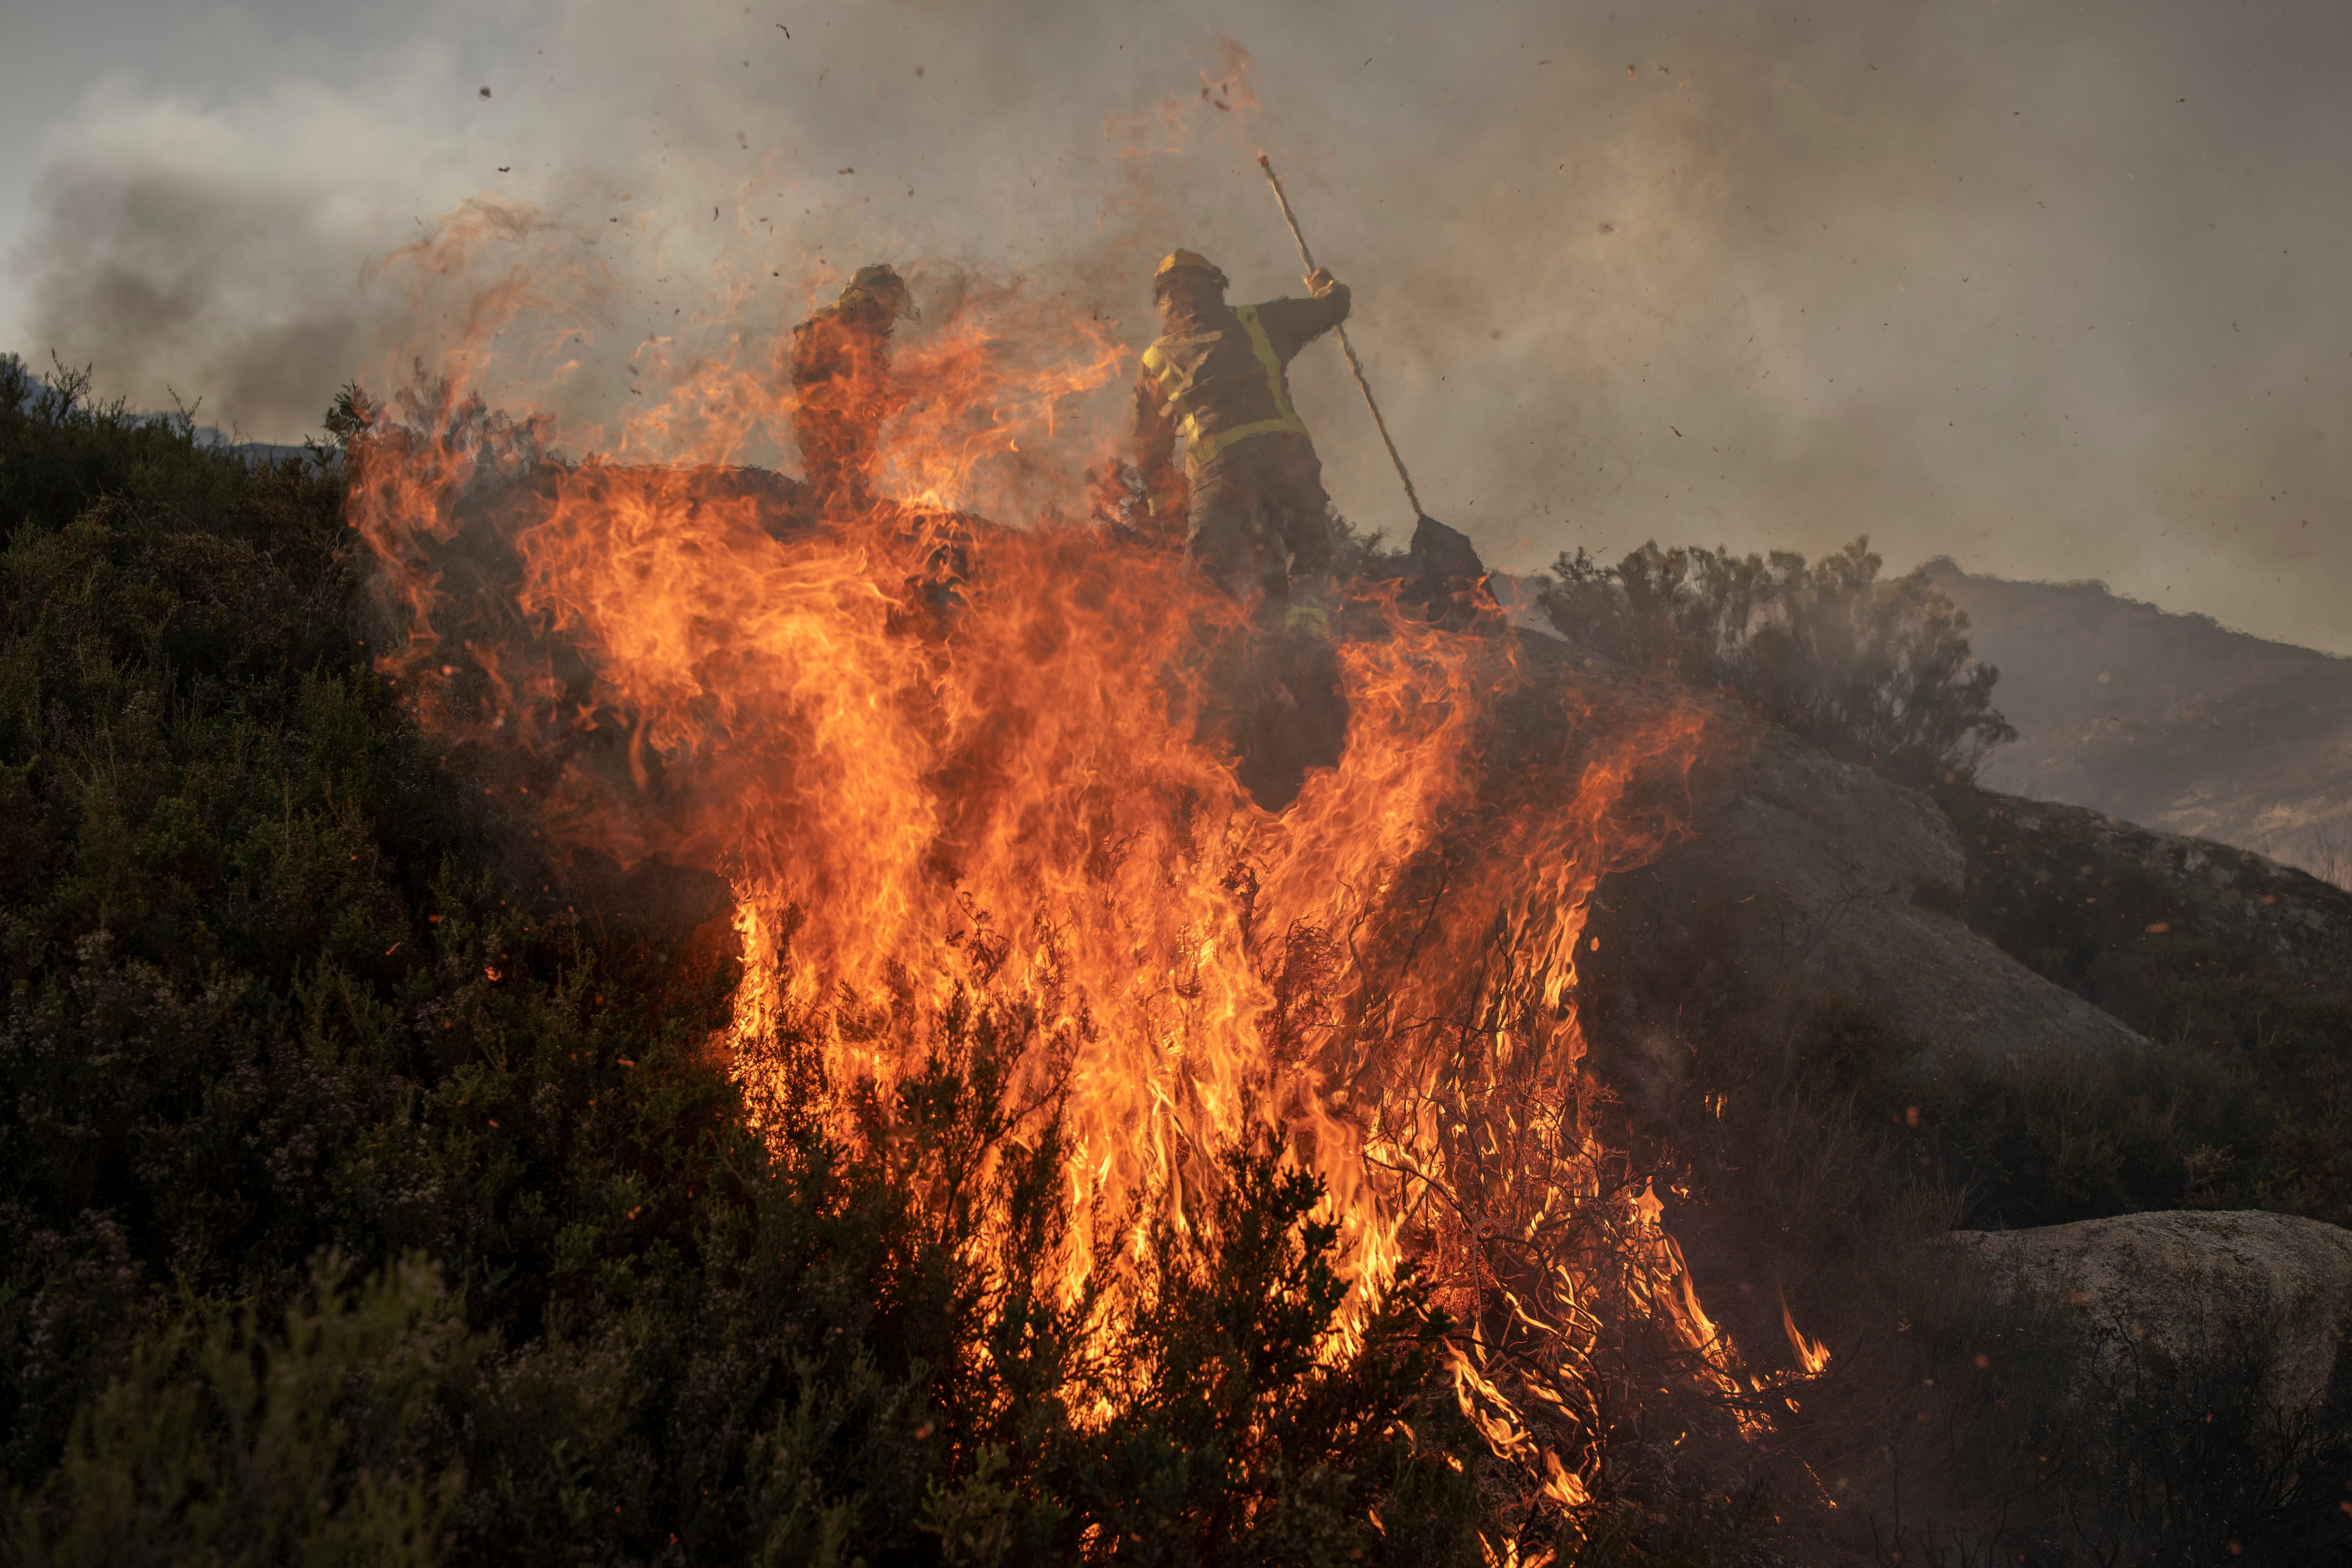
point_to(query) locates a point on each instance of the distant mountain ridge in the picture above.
(2169, 720)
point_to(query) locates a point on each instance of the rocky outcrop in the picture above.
(1853, 873)
(2268, 1290)
(1843, 878)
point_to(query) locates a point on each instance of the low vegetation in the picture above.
(1875, 672)
(372, 1197)
(2236, 971)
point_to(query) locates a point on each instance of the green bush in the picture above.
(223, 1444)
(1877, 673)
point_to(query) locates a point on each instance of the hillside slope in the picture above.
(2172, 721)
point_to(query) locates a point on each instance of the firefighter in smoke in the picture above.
(843, 391)
(1252, 487)
(1252, 494)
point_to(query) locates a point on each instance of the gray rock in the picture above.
(1842, 877)
(2191, 1285)
(1847, 867)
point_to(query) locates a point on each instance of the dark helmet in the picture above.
(1182, 261)
(881, 283)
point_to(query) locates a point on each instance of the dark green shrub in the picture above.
(1877, 673)
(220, 1443)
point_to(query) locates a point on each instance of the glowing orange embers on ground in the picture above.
(952, 768)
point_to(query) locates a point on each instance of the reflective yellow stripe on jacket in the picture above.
(1200, 448)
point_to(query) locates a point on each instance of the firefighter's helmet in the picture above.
(1183, 261)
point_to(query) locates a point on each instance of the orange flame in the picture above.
(951, 768)
(1813, 1354)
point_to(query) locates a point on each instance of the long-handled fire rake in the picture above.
(1347, 348)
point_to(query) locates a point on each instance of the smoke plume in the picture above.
(2053, 294)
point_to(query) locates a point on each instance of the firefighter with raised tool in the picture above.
(1251, 488)
(843, 390)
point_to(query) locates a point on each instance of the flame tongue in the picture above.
(1813, 1354)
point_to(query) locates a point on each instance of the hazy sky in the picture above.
(2061, 290)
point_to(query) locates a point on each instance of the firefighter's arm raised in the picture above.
(1292, 324)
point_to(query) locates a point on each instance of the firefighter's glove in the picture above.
(1320, 280)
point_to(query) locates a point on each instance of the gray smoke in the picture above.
(2055, 293)
(168, 289)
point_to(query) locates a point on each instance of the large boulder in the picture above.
(1841, 878)
(1853, 873)
(2269, 1288)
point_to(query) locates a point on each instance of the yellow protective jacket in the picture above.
(1226, 380)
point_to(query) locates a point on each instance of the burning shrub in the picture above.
(1022, 795)
(1226, 1409)
(1877, 673)
(287, 972)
